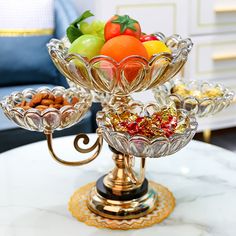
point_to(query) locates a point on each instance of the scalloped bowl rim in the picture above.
(35, 110)
(153, 139)
(117, 64)
(88, 61)
(192, 123)
(225, 91)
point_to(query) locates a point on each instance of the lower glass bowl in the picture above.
(198, 98)
(140, 145)
(49, 119)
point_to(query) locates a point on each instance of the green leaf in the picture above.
(131, 26)
(73, 33)
(122, 28)
(84, 16)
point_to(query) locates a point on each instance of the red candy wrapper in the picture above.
(162, 123)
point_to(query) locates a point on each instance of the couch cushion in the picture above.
(25, 28)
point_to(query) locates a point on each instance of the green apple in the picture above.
(87, 45)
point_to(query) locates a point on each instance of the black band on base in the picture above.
(125, 195)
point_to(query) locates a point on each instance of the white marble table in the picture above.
(34, 191)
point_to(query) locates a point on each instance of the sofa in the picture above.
(26, 74)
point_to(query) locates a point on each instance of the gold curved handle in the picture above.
(97, 145)
(128, 161)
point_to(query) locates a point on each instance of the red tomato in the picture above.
(148, 37)
(122, 25)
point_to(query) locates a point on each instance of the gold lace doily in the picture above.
(78, 208)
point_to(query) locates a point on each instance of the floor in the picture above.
(225, 138)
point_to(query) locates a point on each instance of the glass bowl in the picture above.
(197, 97)
(49, 119)
(140, 145)
(132, 74)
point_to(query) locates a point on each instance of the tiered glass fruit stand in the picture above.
(121, 199)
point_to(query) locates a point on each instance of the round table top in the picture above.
(35, 191)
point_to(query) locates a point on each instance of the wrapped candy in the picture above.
(183, 91)
(158, 124)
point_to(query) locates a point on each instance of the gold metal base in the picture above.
(122, 193)
(207, 135)
(79, 209)
(114, 209)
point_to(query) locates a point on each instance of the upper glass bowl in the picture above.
(198, 98)
(49, 119)
(132, 74)
(141, 145)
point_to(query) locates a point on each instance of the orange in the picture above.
(155, 47)
(132, 71)
(123, 46)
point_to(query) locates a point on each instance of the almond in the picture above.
(74, 100)
(47, 102)
(36, 99)
(65, 103)
(42, 101)
(57, 106)
(51, 97)
(23, 103)
(45, 95)
(59, 100)
(41, 107)
(26, 107)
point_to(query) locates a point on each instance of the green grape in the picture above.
(85, 28)
(96, 27)
(101, 33)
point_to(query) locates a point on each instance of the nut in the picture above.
(47, 102)
(42, 101)
(41, 107)
(26, 107)
(65, 103)
(59, 100)
(57, 106)
(45, 95)
(74, 100)
(22, 104)
(51, 97)
(36, 99)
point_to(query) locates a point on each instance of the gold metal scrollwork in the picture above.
(96, 146)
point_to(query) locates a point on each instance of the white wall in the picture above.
(83, 5)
